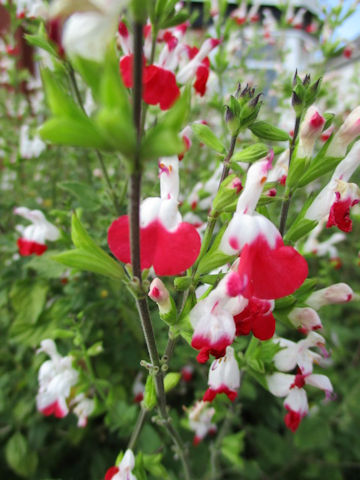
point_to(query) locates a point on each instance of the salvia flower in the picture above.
(310, 130)
(30, 148)
(257, 318)
(268, 269)
(305, 319)
(291, 387)
(336, 293)
(326, 247)
(299, 354)
(349, 130)
(167, 243)
(160, 294)
(82, 407)
(123, 471)
(56, 378)
(336, 199)
(224, 377)
(34, 236)
(200, 416)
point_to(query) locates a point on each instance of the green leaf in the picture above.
(171, 380)
(87, 255)
(150, 399)
(152, 463)
(268, 132)
(77, 132)
(41, 40)
(298, 229)
(22, 461)
(28, 299)
(95, 349)
(45, 266)
(206, 136)
(84, 193)
(250, 154)
(318, 167)
(232, 447)
(160, 141)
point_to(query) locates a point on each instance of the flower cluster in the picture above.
(57, 381)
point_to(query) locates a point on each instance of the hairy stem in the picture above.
(286, 202)
(134, 216)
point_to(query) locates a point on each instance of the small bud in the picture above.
(238, 91)
(306, 80)
(305, 319)
(294, 82)
(337, 293)
(295, 100)
(255, 100)
(160, 294)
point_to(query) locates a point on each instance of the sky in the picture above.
(351, 27)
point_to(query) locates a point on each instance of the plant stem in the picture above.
(286, 202)
(111, 191)
(137, 429)
(134, 216)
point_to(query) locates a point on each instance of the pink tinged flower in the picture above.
(349, 130)
(305, 319)
(224, 377)
(298, 19)
(166, 243)
(280, 170)
(83, 407)
(214, 329)
(337, 293)
(124, 38)
(327, 133)
(186, 135)
(160, 294)
(124, 470)
(348, 51)
(239, 14)
(138, 389)
(159, 84)
(34, 236)
(310, 130)
(257, 318)
(200, 416)
(187, 373)
(253, 14)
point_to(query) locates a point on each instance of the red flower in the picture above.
(159, 84)
(111, 472)
(169, 252)
(27, 247)
(340, 214)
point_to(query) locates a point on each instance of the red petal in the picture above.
(111, 472)
(160, 87)
(271, 273)
(206, 348)
(27, 247)
(292, 420)
(126, 69)
(339, 215)
(263, 326)
(211, 393)
(170, 253)
(202, 75)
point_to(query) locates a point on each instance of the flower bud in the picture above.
(160, 294)
(337, 293)
(224, 377)
(305, 319)
(309, 131)
(349, 130)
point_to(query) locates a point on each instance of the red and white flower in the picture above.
(291, 387)
(326, 247)
(200, 416)
(138, 388)
(305, 319)
(160, 294)
(167, 243)
(268, 269)
(299, 354)
(56, 378)
(123, 471)
(349, 130)
(257, 318)
(34, 236)
(160, 78)
(310, 130)
(213, 320)
(82, 407)
(338, 196)
(336, 293)
(224, 377)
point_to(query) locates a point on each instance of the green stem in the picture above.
(134, 216)
(137, 429)
(288, 195)
(77, 94)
